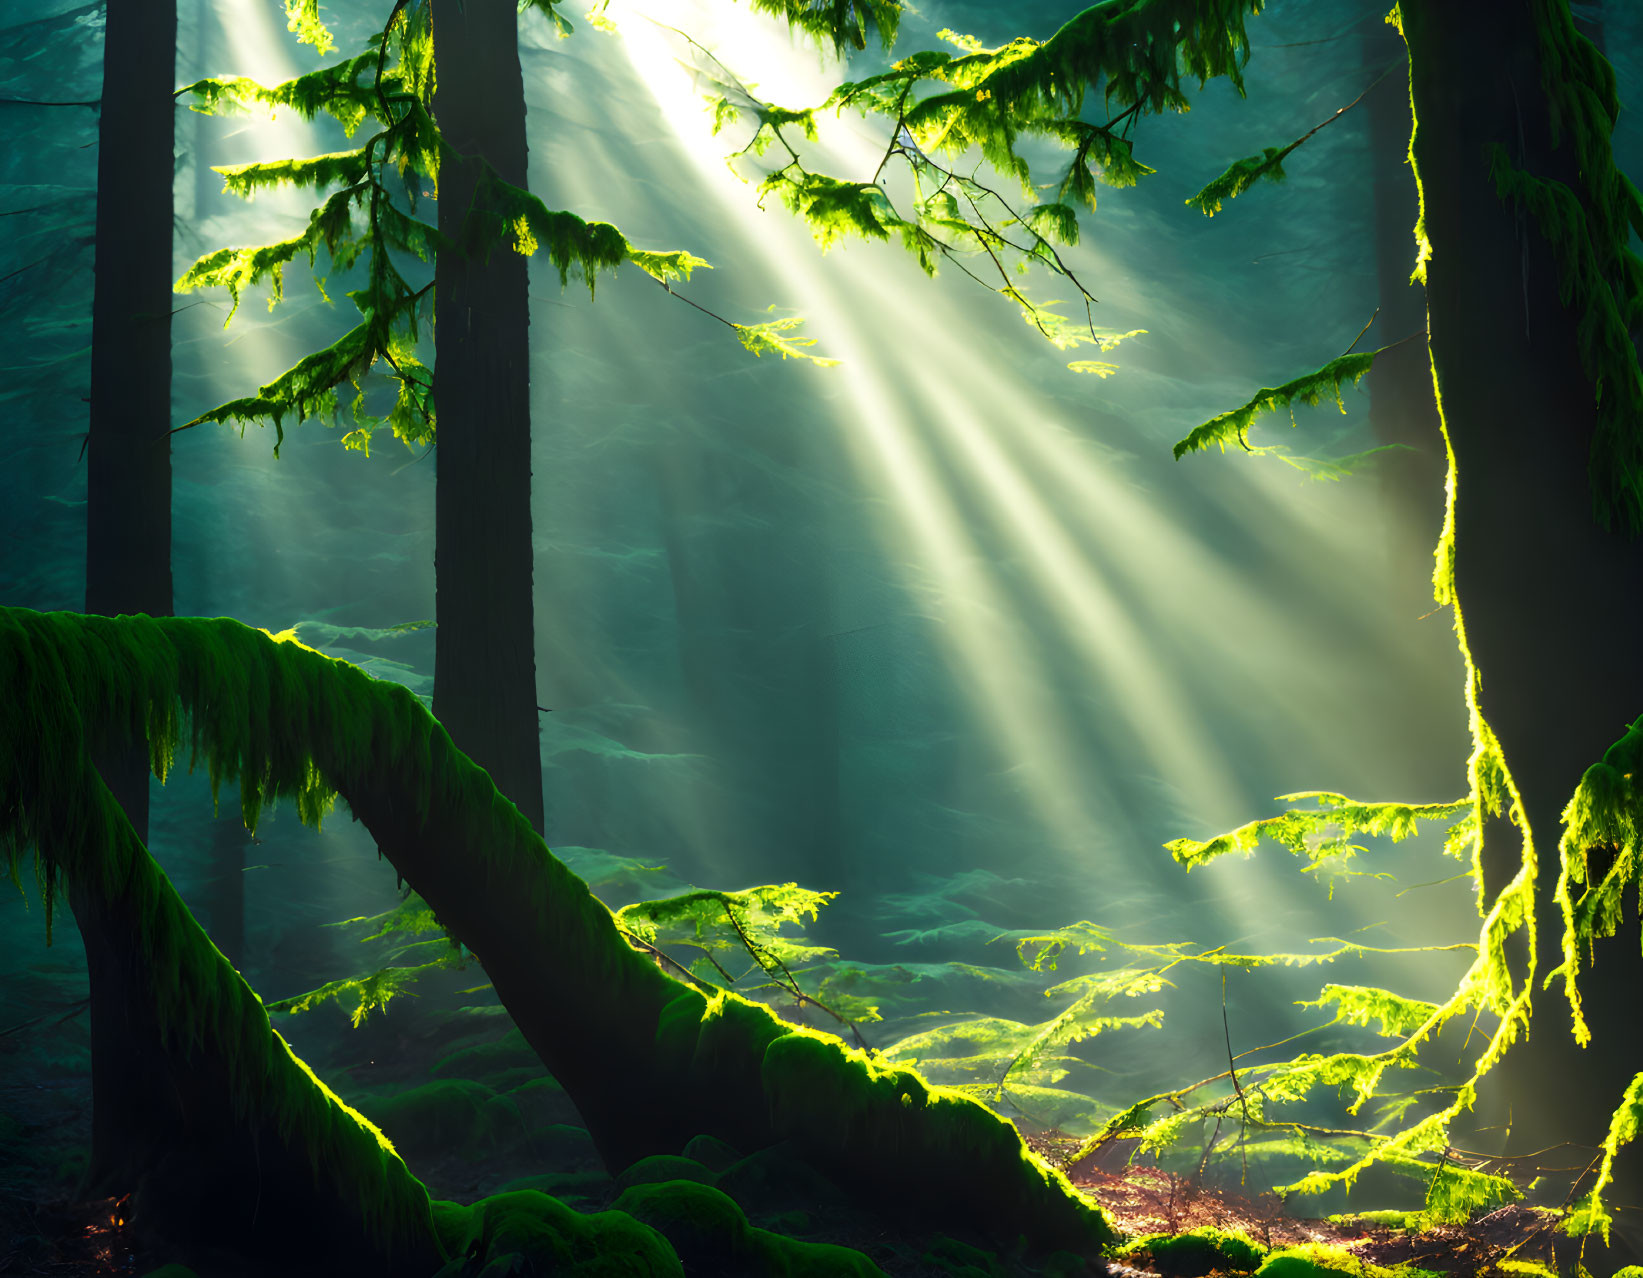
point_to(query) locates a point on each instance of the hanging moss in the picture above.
(53, 803)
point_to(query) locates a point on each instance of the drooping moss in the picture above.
(210, 1024)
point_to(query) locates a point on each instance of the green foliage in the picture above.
(1310, 388)
(1239, 176)
(1601, 822)
(1591, 1214)
(722, 926)
(841, 23)
(302, 18)
(390, 85)
(776, 337)
(1360, 1004)
(1322, 835)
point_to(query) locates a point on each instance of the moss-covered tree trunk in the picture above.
(1552, 603)
(485, 654)
(649, 1062)
(229, 1146)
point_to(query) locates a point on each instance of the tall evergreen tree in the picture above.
(485, 650)
(128, 508)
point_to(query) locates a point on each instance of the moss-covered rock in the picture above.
(563, 1147)
(711, 1152)
(583, 1190)
(660, 1167)
(1198, 1252)
(505, 1064)
(451, 1114)
(543, 1103)
(524, 1231)
(713, 1239)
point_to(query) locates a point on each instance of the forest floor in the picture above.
(1148, 1200)
(45, 1230)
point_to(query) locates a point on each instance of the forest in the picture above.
(1033, 685)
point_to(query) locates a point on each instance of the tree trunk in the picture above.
(128, 507)
(128, 453)
(226, 1141)
(1550, 601)
(485, 653)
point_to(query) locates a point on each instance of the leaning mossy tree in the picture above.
(649, 1062)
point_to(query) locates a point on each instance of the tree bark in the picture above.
(1551, 602)
(128, 508)
(128, 452)
(485, 653)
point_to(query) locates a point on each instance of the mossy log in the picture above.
(649, 1062)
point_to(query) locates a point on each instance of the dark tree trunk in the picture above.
(485, 655)
(128, 504)
(1550, 601)
(128, 454)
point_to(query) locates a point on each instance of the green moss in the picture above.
(526, 1231)
(286, 722)
(835, 1102)
(785, 1257)
(564, 1147)
(52, 800)
(1312, 1260)
(711, 1152)
(711, 1235)
(487, 1061)
(449, 1114)
(543, 1103)
(579, 1189)
(706, 1227)
(662, 1167)
(1198, 1252)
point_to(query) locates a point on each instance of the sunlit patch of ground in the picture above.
(1147, 1200)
